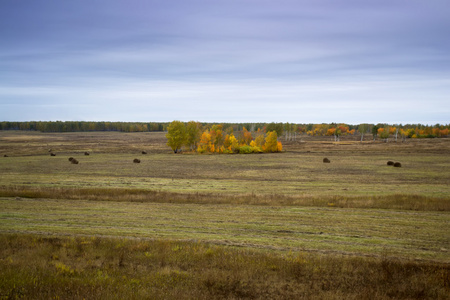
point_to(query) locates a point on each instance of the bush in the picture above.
(245, 150)
(248, 149)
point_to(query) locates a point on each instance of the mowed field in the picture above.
(356, 169)
(289, 207)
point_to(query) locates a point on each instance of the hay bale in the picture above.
(74, 161)
(144, 152)
(136, 161)
(52, 154)
(86, 153)
(390, 163)
(397, 165)
(70, 158)
(326, 160)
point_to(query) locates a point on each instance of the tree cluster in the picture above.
(215, 140)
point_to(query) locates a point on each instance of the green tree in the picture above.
(176, 135)
(278, 127)
(362, 128)
(193, 134)
(375, 131)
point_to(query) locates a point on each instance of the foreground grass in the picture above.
(40, 267)
(364, 232)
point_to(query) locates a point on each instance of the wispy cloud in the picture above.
(297, 61)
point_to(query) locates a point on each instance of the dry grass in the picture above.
(95, 268)
(358, 170)
(396, 201)
(25, 143)
(408, 234)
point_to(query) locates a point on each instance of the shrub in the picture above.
(326, 160)
(245, 149)
(397, 165)
(390, 163)
(136, 160)
(74, 161)
(86, 153)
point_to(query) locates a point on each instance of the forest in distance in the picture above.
(324, 129)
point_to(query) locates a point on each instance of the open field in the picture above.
(191, 226)
(361, 232)
(355, 170)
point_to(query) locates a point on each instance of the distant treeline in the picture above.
(75, 126)
(411, 130)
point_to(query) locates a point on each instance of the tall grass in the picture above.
(41, 267)
(397, 201)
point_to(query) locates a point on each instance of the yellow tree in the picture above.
(205, 143)
(217, 137)
(176, 135)
(246, 137)
(259, 140)
(271, 144)
(403, 134)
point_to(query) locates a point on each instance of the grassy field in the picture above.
(356, 169)
(260, 226)
(361, 232)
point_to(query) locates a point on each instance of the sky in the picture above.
(297, 61)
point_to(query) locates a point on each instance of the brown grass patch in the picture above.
(43, 267)
(397, 201)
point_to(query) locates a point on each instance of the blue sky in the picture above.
(226, 61)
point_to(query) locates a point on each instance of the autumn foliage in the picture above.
(215, 140)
